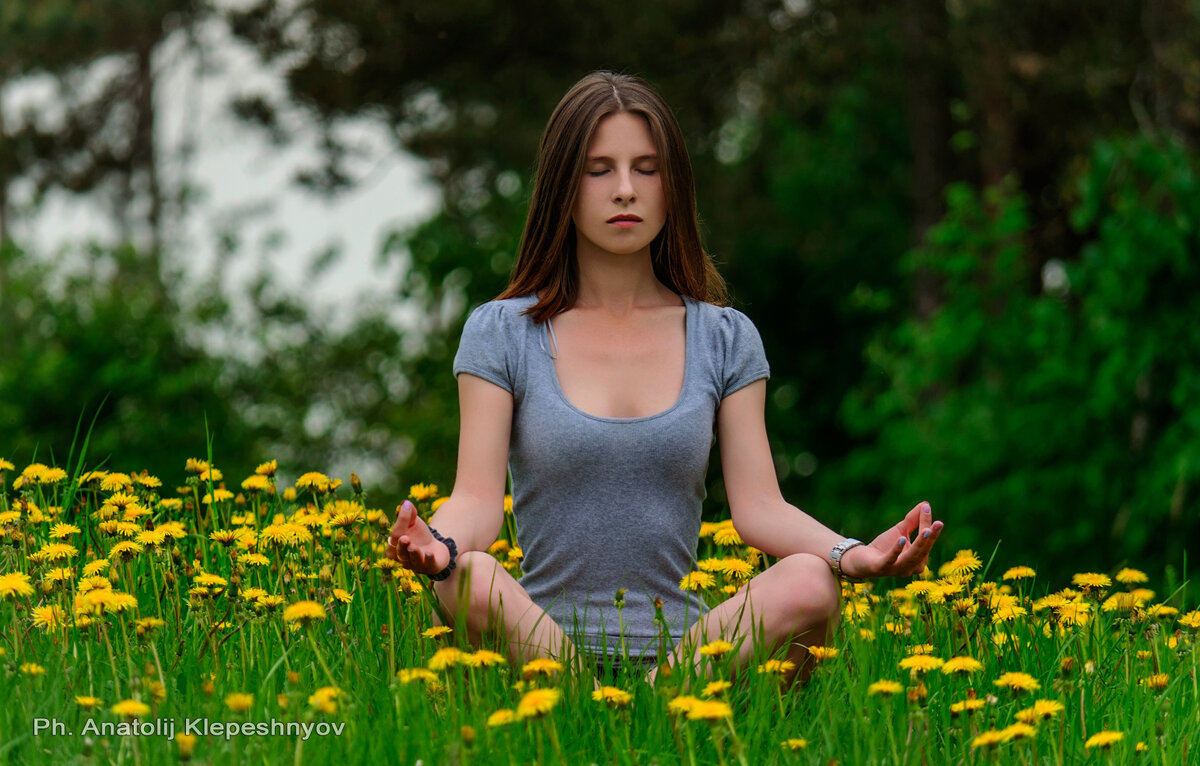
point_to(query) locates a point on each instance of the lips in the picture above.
(625, 217)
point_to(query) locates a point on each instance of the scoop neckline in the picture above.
(688, 333)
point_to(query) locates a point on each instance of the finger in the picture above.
(926, 516)
(404, 514)
(894, 553)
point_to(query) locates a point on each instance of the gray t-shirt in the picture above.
(607, 503)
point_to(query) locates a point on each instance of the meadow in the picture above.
(231, 620)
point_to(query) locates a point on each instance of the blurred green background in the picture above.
(967, 231)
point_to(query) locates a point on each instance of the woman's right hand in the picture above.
(412, 544)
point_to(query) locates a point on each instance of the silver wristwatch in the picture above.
(835, 557)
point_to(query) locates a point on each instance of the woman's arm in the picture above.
(766, 521)
(474, 513)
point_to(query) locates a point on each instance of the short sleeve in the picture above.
(745, 359)
(485, 349)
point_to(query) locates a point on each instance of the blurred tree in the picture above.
(1065, 421)
(97, 136)
(93, 342)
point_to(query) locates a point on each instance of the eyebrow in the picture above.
(635, 159)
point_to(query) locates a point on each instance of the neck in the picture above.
(619, 283)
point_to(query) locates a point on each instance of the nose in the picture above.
(624, 191)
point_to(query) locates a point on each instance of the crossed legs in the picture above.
(794, 603)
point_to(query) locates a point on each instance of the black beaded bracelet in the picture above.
(449, 542)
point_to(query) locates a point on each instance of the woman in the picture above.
(600, 377)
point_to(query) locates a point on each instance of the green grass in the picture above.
(212, 646)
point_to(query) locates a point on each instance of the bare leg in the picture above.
(484, 596)
(795, 603)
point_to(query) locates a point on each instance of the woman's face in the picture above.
(620, 179)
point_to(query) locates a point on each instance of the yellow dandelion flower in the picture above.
(989, 739)
(964, 562)
(921, 663)
(966, 706)
(209, 580)
(1129, 576)
(268, 468)
(61, 530)
(709, 710)
(147, 625)
(325, 699)
(611, 695)
(256, 483)
(1019, 573)
(794, 744)
(239, 702)
(314, 481)
(726, 536)
(130, 708)
(713, 688)
(1122, 601)
(1091, 581)
(485, 658)
(1041, 710)
(51, 617)
(216, 496)
(1157, 681)
(819, 653)
(1074, 613)
(537, 703)
(437, 630)
(716, 648)
(683, 703)
(56, 551)
(736, 569)
(412, 675)
(1191, 619)
(502, 717)
(15, 584)
(88, 702)
(1161, 610)
(1018, 682)
(115, 482)
(1104, 739)
(777, 666)
(447, 657)
(6, 466)
(1018, 731)
(695, 581)
(126, 550)
(343, 596)
(541, 666)
(885, 687)
(962, 665)
(32, 669)
(1008, 613)
(303, 612)
(422, 492)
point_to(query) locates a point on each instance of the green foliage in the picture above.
(79, 335)
(1055, 406)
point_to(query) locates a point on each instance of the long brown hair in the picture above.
(546, 261)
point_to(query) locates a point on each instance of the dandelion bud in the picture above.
(355, 483)
(468, 735)
(293, 677)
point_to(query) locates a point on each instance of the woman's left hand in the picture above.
(892, 554)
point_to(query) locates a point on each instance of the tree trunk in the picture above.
(925, 30)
